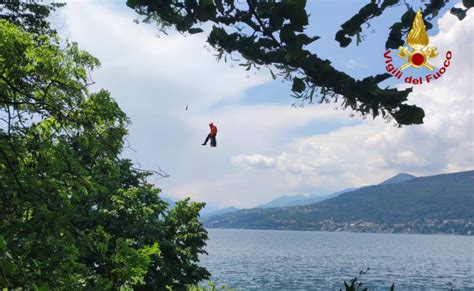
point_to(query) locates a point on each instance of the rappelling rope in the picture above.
(213, 89)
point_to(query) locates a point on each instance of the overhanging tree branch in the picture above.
(274, 37)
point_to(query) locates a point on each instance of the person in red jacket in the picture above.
(211, 136)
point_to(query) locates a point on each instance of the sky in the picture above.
(266, 147)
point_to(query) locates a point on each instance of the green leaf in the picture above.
(43, 287)
(195, 30)
(287, 34)
(299, 4)
(7, 267)
(298, 85)
(358, 39)
(3, 243)
(303, 39)
(273, 74)
(298, 18)
(409, 114)
(206, 2)
(276, 21)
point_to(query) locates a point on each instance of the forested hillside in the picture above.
(435, 204)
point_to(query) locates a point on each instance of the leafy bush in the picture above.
(356, 283)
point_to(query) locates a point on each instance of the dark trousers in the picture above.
(213, 140)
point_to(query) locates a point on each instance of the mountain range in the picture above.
(402, 177)
(295, 200)
(208, 210)
(404, 203)
(286, 200)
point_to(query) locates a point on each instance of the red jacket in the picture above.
(213, 129)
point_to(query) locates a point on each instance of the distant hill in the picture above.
(283, 201)
(221, 211)
(171, 202)
(208, 208)
(317, 198)
(402, 177)
(435, 204)
(295, 200)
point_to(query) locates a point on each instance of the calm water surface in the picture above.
(297, 260)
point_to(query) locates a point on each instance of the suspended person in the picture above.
(211, 136)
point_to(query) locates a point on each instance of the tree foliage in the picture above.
(271, 34)
(73, 215)
(30, 15)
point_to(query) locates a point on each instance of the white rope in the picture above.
(213, 89)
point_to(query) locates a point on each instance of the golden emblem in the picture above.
(418, 40)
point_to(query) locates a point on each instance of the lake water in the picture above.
(298, 260)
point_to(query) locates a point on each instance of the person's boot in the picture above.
(203, 144)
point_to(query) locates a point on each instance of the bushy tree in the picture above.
(73, 215)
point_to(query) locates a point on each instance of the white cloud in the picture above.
(372, 151)
(253, 162)
(408, 159)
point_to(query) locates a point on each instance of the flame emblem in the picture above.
(418, 40)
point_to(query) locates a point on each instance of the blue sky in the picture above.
(266, 148)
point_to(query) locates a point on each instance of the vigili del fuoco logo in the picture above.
(417, 56)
